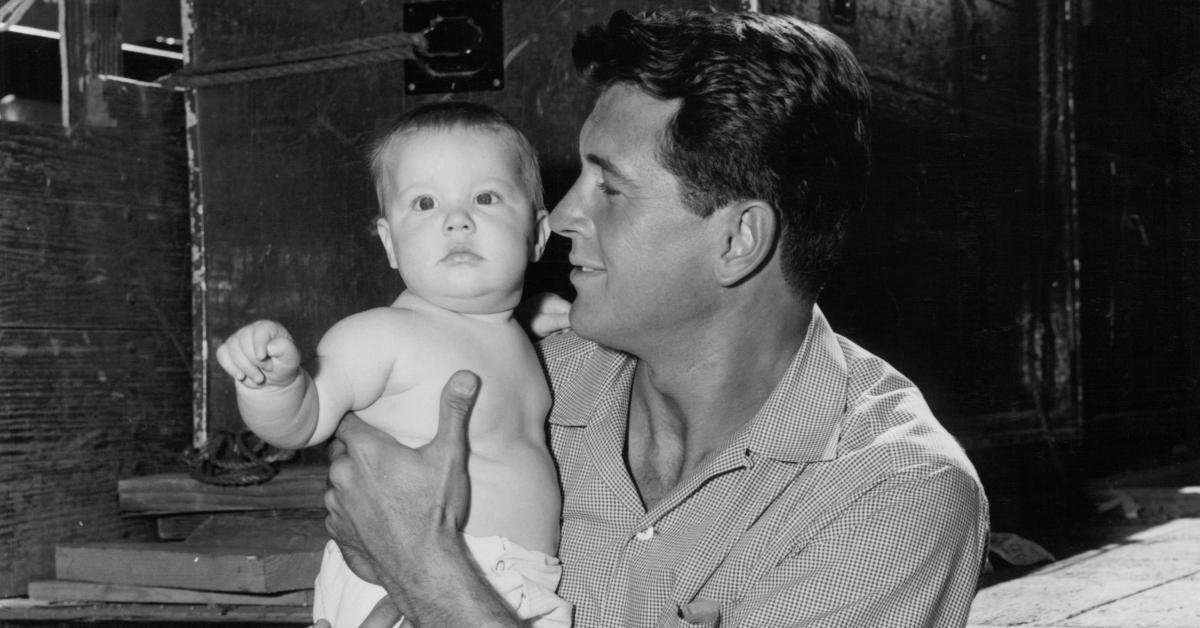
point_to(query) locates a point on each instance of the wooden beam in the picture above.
(70, 591)
(90, 47)
(245, 530)
(165, 615)
(296, 487)
(189, 566)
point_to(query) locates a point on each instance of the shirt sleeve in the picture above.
(907, 553)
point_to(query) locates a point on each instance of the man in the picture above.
(725, 458)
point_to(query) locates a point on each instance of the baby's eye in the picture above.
(424, 203)
(485, 198)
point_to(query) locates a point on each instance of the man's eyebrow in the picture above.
(609, 168)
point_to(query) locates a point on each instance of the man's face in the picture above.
(639, 256)
(458, 222)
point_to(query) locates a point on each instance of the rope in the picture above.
(229, 459)
(353, 53)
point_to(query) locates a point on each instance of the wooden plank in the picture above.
(162, 615)
(297, 522)
(144, 109)
(178, 527)
(103, 166)
(129, 265)
(184, 565)
(68, 591)
(307, 533)
(1172, 604)
(1132, 574)
(79, 409)
(296, 487)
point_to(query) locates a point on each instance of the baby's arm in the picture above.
(295, 407)
(276, 397)
(354, 364)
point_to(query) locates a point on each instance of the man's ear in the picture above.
(749, 232)
(541, 235)
(385, 236)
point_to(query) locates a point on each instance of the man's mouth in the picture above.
(584, 267)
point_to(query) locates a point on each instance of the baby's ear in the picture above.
(541, 234)
(385, 236)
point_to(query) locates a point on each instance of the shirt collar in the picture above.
(800, 421)
(575, 402)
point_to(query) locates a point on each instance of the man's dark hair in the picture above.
(773, 108)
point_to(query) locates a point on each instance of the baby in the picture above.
(461, 216)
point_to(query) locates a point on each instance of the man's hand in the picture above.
(261, 354)
(391, 505)
(383, 615)
(544, 314)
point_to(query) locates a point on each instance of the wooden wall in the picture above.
(996, 263)
(95, 334)
(284, 202)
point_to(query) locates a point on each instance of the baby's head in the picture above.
(460, 205)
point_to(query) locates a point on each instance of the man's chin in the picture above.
(588, 328)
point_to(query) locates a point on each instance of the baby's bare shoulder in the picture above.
(373, 329)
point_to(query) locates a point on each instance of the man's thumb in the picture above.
(458, 399)
(383, 615)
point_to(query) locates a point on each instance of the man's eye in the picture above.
(607, 189)
(424, 203)
(485, 198)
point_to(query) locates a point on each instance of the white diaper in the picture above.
(525, 578)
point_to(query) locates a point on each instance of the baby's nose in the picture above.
(458, 221)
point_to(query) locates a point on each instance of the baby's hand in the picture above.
(260, 354)
(544, 314)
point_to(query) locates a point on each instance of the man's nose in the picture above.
(458, 221)
(569, 215)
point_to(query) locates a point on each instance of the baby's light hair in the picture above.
(444, 116)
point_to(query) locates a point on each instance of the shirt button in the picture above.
(645, 535)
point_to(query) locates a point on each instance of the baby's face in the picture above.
(458, 221)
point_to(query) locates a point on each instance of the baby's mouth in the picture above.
(461, 255)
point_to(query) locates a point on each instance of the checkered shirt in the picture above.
(843, 503)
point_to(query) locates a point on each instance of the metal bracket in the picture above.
(465, 46)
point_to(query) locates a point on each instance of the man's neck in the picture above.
(690, 399)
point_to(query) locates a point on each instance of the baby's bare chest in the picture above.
(513, 400)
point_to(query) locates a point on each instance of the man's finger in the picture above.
(458, 399)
